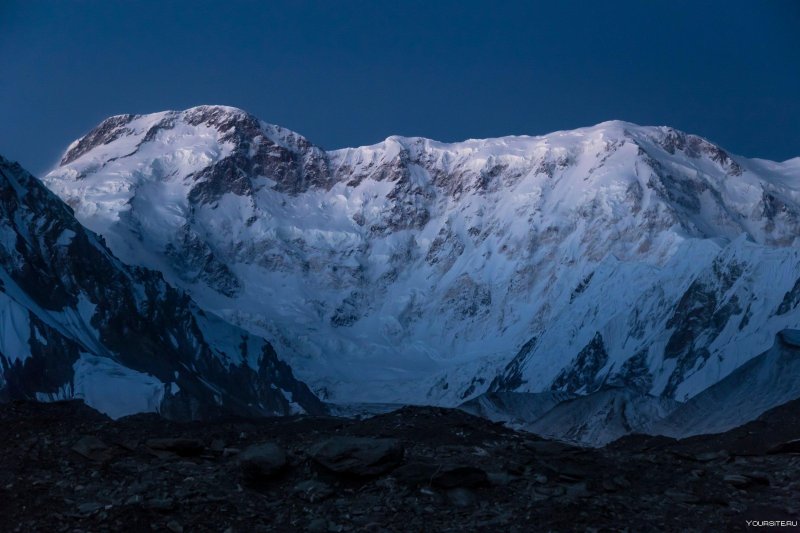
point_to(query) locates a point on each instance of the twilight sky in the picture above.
(347, 73)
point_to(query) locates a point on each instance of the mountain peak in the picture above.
(128, 129)
(399, 262)
(215, 108)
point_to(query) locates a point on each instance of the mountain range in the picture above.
(622, 266)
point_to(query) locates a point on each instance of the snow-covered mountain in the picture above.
(425, 272)
(593, 419)
(77, 323)
(764, 382)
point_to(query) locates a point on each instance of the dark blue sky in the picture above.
(351, 73)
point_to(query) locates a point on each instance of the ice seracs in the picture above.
(426, 272)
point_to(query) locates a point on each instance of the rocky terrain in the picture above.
(65, 467)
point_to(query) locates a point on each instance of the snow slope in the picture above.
(414, 271)
(77, 323)
(592, 419)
(517, 409)
(766, 381)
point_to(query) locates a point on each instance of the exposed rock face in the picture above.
(106, 132)
(78, 323)
(582, 374)
(419, 271)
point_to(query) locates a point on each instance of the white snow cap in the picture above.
(418, 271)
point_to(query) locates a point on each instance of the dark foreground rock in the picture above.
(361, 457)
(262, 462)
(63, 467)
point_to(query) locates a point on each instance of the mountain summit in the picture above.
(427, 272)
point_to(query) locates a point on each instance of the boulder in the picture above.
(261, 462)
(358, 456)
(92, 448)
